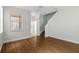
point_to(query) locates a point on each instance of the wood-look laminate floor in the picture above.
(43, 45)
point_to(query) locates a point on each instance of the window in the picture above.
(1, 19)
(16, 23)
(33, 24)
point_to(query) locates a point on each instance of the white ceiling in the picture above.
(38, 9)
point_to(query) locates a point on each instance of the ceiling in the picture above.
(38, 9)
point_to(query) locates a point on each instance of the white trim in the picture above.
(17, 39)
(62, 39)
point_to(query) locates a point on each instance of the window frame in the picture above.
(18, 23)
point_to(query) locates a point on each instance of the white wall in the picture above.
(26, 17)
(64, 24)
(1, 19)
(1, 26)
(1, 40)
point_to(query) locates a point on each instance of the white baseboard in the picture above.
(9, 40)
(63, 39)
(17, 39)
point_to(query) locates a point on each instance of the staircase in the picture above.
(45, 19)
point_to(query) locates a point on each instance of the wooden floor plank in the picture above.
(43, 45)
